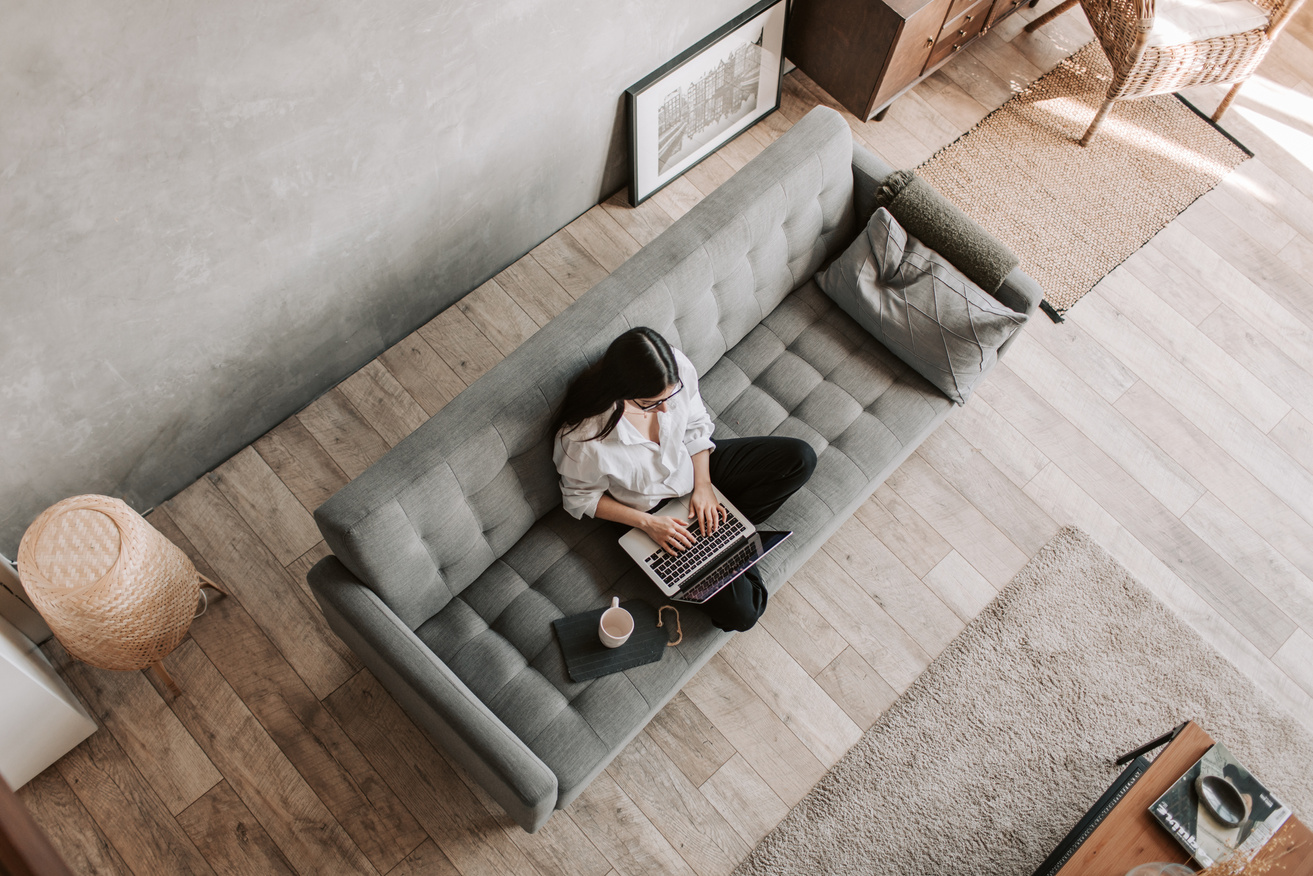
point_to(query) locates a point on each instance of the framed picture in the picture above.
(704, 98)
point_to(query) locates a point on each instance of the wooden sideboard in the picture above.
(866, 53)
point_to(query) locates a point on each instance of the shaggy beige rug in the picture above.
(990, 757)
(1073, 214)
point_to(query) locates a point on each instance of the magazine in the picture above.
(1180, 811)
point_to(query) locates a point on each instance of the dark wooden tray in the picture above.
(586, 657)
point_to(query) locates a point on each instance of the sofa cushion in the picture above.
(807, 371)
(1177, 22)
(917, 304)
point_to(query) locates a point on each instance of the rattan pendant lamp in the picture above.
(114, 591)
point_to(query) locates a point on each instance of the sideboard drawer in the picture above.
(959, 31)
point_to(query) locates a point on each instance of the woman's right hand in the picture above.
(670, 533)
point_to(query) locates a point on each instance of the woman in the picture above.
(633, 432)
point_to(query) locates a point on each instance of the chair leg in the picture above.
(1050, 15)
(1098, 120)
(1226, 101)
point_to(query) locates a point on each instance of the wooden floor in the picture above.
(1171, 417)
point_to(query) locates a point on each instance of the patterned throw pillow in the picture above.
(919, 306)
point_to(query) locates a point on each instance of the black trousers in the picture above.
(757, 475)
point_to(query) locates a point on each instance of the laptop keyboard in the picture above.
(675, 568)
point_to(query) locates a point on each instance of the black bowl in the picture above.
(1222, 800)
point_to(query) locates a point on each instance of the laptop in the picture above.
(711, 564)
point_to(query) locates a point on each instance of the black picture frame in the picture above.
(705, 97)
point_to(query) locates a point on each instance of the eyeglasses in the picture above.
(659, 402)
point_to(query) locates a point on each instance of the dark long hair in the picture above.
(638, 364)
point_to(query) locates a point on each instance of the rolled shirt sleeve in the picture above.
(582, 480)
(697, 431)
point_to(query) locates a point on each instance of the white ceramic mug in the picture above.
(616, 625)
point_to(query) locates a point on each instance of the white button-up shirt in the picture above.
(633, 470)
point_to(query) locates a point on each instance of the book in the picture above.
(1185, 817)
(1097, 813)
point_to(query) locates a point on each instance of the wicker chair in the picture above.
(1140, 67)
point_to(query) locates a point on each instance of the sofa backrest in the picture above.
(430, 516)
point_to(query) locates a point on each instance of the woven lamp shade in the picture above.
(113, 589)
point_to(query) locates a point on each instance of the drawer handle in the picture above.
(961, 33)
(956, 47)
(930, 41)
(969, 17)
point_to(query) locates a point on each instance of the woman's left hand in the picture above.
(702, 505)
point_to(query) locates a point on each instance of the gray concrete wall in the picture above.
(212, 212)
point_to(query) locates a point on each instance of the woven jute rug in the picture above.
(998, 749)
(1073, 214)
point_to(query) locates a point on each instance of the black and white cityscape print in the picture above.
(690, 116)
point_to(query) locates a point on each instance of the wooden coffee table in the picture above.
(1131, 836)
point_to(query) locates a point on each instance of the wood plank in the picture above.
(142, 831)
(1222, 475)
(466, 832)
(1154, 269)
(1174, 543)
(150, 735)
(465, 349)
(742, 149)
(1294, 434)
(1074, 348)
(861, 620)
(644, 222)
(748, 723)
(709, 174)
(1000, 500)
(71, 829)
(383, 402)
(623, 833)
(259, 773)
(603, 238)
(1193, 349)
(534, 290)
(801, 630)
(301, 463)
(960, 586)
(793, 695)
(229, 837)
(744, 799)
(344, 434)
(308, 736)
(558, 848)
(961, 524)
(1291, 381)
(1200, 265)
(998, 441)
(418, 367)
(690, 739)
(703, 838)
(498, 316)
(1196, 400)
(569, 263)
(426, 860)
(1296, 658)
(893, 586)
(857, 688)
(903, 531)
(1098, 420)
(266, 504)
(1253, 557)
(678, 198)
(251, 574)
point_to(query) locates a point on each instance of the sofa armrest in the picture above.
(433, 695)
(869, 170)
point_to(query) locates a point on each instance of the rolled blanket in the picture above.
(931, 218)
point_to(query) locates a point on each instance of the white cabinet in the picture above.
(40, 719)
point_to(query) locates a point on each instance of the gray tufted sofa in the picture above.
(451, 555)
